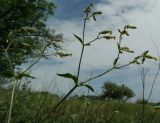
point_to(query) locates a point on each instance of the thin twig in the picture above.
(156, 75)
(107, 71)
(97, 38)
(143, 76)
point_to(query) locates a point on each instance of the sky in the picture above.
(99, 57)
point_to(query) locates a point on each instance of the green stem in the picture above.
(107, 71)
(76, 85)
(11, 102)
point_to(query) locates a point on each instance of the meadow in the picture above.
(32, 107)
(26, 39)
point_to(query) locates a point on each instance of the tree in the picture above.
(23, 31)
(117, 92)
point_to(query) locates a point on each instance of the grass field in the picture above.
(31, 107)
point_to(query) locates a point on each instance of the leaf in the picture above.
(7, 74)
(118, 46)
(94, 17)
(91, 4)
(11, 36)
(79, 39)
(109, 37)
(143, 59)
(119, 31)
(89, 87)
(115, 62)
(21, 75)
(130, 51)
(105, 32)
(86, 11)
(26, 44)
(125, 32)
(126, 49)
(97, 13)
(88, 8)
(145, 53)
(151, 57)
(63, 54)
(68, 75)
(88, 44)
(131, 27)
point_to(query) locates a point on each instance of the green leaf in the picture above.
(88, 8)
(63, 54)
(89, 87)
(88, 44)
(115, 61)
(27, 29)
(91, 4)
(26, 44)
(143, 59)
(119, 31)
(97, 13)
(105, 32)
(126, 49)
(145, 53)
(118, 46)
(70, 76)
(21, 75)
(109, 37)
(130, 51)
(79, 39)
(7, 74)
(151, 57)
(131, 27)
(125, 32)
(10, 35)
(94, 17)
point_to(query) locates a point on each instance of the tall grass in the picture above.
(29, 107)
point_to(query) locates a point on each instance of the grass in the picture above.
(30, 107)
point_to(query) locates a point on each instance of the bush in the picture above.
(117, 92)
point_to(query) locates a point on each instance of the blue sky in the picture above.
(70, 9)
(99, 57)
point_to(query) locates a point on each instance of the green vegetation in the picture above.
(24, 36)
(30, 107)
(117, 92)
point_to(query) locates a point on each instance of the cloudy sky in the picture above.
(100, 55)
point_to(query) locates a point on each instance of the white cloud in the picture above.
(116, 13)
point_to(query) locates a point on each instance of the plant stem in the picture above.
(76, 85)
(156, 75)
(143, 76)
(14, 82)
(93, 40)
(107, 71)
(11, 102)
(41, 55)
